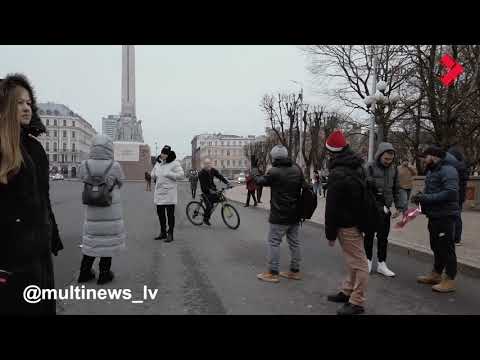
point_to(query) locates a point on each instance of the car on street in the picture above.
(57, 177)
(241, 179)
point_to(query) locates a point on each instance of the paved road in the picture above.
(211, 270)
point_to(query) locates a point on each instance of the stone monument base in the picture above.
(134, 158)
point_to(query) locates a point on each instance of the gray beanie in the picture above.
(279, 152)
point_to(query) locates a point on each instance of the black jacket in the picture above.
(285, 180)
(344, 196)
(206, 180)
(440, 198)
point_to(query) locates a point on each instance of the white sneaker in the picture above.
(384, 270)
(369, 266)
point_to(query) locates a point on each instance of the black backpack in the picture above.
(307, 203)
(97, 190)
(369, 212)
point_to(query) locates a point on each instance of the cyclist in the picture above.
(193, 177)
(209, 190)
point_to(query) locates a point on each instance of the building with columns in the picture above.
(225, 151)
(67, 140)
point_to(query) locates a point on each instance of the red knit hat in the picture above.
(336, 142)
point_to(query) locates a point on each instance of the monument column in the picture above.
(128, 81)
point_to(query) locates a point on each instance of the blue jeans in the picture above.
(405, 196)
(274, 240)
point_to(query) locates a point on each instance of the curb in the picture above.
(463, 268)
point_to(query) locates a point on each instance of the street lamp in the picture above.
(300, 132)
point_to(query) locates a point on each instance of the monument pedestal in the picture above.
(134, 158)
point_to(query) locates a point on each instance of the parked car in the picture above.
(241, 179)
(57, 177)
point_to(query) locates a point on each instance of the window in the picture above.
(73, 123)
(222, 163)
(73, 147)
(64, 146)
(64, 134)
(48, 122)
(222, 143)
(54, 133)
(209, 143)
(208, 151)
(55, 157)
(64, 122)
(215, 162)
(55, 122)
(47, 146)
(55, 147)
(73, 134)
(228, 153)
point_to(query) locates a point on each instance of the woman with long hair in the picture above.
(28, 227)
(166, 172)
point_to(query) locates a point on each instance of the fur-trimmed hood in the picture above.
(36, 126)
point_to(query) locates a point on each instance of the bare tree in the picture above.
(260, 149)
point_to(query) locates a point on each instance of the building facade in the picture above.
(68, 138)
(225, 151)
(186, 164)
(109, 124)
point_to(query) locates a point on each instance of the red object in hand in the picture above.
(3, 280)
(408, 216)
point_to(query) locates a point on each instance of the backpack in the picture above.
(97, 190)
(307, 203)
(369, 212)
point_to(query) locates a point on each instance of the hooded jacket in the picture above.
(385, 179)
(285, 180)
(455, 159)
(104, 233)
(166, 174)
(440, 198)
(344, 193)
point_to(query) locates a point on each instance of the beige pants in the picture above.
(355, 284)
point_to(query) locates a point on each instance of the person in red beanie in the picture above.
(343, 211)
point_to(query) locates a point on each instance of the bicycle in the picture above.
(196, 211)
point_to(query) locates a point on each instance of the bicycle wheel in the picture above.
(230, 216)
(195, 212)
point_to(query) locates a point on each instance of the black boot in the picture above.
(86, 275)
(350, 309)
(162, 236)
(105, 277)
(169, 237)
(338, 298)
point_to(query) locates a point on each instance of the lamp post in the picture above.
(300, 129)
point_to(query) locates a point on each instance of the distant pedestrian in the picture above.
(148, 180)
(316, 182)
(439, 202)
(104, 233)
(343, 220)
(455, 158)
(324, 181)
(285, 180)
(167, 171)
(383, 176)
(259, 187)
(28, 231)
(406, 173)
(193, 178)
(251, 188)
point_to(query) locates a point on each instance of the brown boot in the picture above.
(291, 275)
(269, 277)
(431, 279)
(447, 285)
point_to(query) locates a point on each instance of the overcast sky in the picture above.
(181, 91)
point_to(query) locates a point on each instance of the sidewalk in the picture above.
(414, 237)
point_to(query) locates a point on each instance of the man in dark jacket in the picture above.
(455, 158)
(342, 220)
(440, 204)
(382, 175)
(206, 177)
(285, 180)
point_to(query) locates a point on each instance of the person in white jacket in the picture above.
(165, 173)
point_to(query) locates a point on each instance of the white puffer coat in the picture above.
(165, 175)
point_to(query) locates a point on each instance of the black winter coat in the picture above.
(344, 196)
(462, 171)
(440, 198)
(29, 230)
(206, 180)
(285, 180)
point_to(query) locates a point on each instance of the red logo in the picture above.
(454, 70)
